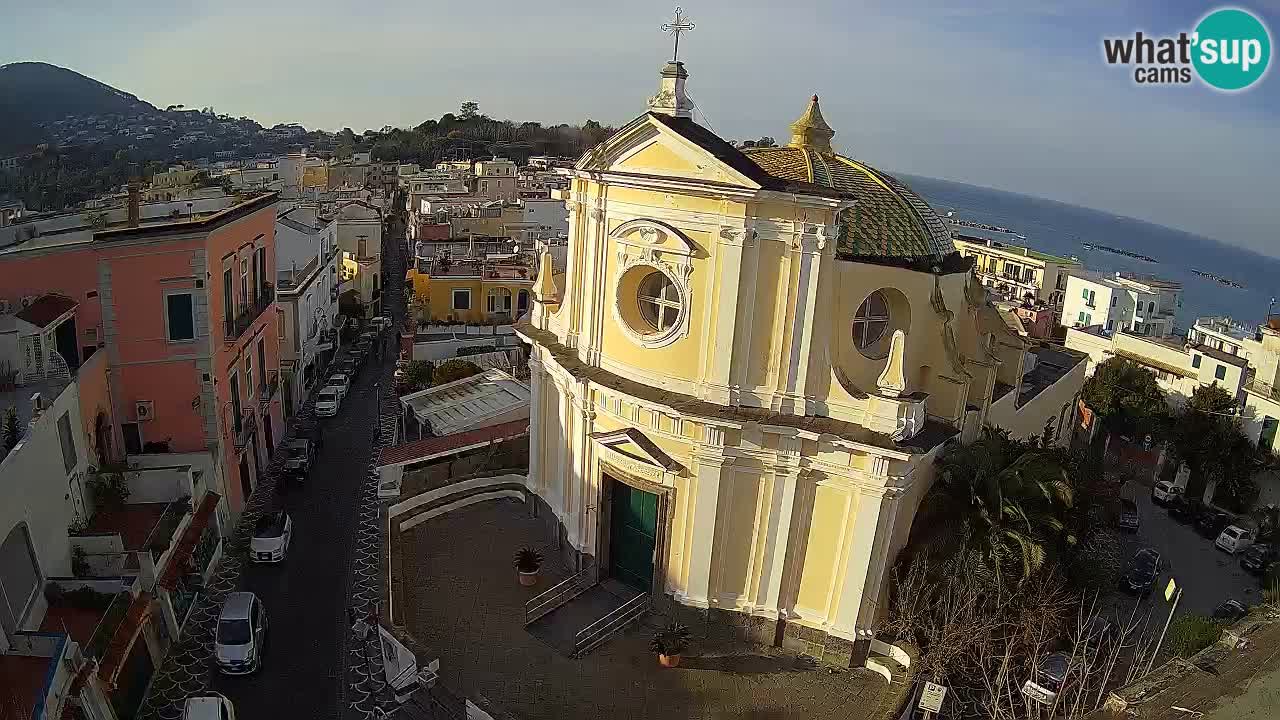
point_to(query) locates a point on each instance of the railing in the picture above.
(595, 634)
(107, 626)
(559, 594)
(1264, 389)
(245, 430)
(161, 537)
(233, 328)
(267, 391)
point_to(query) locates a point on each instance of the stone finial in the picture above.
(811, 131)
(544, 289)
(893, 381)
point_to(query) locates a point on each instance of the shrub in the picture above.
(670, 640)
(1189, 634)
(450, 370)
(528, 560)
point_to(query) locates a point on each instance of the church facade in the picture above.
(743, 378)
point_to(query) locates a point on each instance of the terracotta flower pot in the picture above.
(529, 579)
(669, 660)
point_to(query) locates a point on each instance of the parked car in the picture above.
(328, 402)
(1230, 611)
(1050, 675)
(1234, 539)
(1258, 558)
(1142, 572)
(1129, 518)
(1164, 492)
(213, 706)
(271, 536)
(342, 382)
(1213, 522)
(241, 634)
(300, 454)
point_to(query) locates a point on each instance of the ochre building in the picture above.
(742, 380)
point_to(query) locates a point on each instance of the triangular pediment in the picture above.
(636, 445)
(648, 147)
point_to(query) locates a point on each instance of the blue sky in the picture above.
(1012, 95)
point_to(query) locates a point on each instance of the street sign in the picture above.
(1168, 590)
(931, 698)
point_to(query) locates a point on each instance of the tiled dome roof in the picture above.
(888, 221)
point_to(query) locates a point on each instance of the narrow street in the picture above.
(307, 596)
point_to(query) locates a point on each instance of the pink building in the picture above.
(183, 305)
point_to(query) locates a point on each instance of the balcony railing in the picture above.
(267, 391)
(247, 313)
(244, 430)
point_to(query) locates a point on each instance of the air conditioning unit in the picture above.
(144, 410)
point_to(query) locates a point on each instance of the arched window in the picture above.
(499, 300)
(871, 320)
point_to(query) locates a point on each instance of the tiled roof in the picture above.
(432, 446)
(46, 309)
(889, 220)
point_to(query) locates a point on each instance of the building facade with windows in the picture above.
(308, 262)
(360, 239)
(1016, 272)
(185, 311)
(1121, 302)
(741, 382)
(466, 290)
(496, 179)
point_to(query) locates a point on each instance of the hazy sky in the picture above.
(1017, 99)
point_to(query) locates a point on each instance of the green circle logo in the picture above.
(1232, 49)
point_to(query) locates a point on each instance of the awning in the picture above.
(177, 565)
(118, 649)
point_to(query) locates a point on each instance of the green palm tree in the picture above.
(1005, 501)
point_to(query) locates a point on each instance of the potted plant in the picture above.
(670, 643)
(528, 561)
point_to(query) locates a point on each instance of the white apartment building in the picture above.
(1138, 305)
(308, 268)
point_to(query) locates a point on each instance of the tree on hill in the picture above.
(1126, 398)
(469, 109)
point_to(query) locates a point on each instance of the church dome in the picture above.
(888, 222)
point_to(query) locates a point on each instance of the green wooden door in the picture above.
(633, 532)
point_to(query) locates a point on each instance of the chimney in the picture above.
(135, 205)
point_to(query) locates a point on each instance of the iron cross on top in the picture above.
(681, 24)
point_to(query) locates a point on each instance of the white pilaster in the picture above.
(535, 482)
(711, 462)
(809, 249)
(781, 505)
(857, 595)
(720, 363)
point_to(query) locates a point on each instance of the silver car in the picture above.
(328, 402)
(242, 632)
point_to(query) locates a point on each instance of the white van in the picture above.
(208, 707)
(1234, 539)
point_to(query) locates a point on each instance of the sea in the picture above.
(1059, 228)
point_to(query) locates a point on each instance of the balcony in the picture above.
(268, 390)
(247, 313)
(244, 430)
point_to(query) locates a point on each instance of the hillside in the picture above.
(34, 92)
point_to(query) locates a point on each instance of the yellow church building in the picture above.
(741, 382)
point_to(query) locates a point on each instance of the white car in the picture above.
(271, 537)
(341, 382)
(208, 707)
(1164, 492)
(1234, 539)
(328, 402)
(241, 634)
